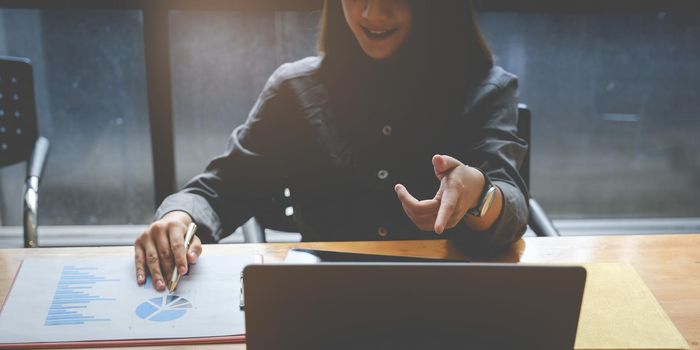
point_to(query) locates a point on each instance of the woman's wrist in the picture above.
(489, 218)
(178, 215)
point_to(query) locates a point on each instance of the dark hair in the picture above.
(445, 44)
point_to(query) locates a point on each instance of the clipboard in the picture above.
(36, 329)
(127, 343)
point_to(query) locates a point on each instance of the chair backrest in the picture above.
(18, 122)
(524, 120)
(538, 220)
(19, 135)
(276, 214)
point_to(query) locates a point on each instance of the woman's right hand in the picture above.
(162, 247)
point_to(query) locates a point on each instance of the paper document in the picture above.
(54, 300)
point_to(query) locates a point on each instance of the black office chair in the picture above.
(19, 135)
(538, 221)
(276, 215)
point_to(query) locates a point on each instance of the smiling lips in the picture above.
(382, 34)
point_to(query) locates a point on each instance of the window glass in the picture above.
(220, 62)
(614, 130)
(91, 101)
(614, 101)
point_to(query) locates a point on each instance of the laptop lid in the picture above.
(412, 305)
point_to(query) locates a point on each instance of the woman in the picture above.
(398, 85)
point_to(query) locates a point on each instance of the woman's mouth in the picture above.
(378, 34)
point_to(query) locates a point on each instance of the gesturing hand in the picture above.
(460, 189)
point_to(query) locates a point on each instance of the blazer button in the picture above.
(382, 231)
(386, 130)
(382, 174)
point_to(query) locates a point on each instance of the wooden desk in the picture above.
(669, 264)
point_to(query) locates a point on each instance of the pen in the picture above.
(188, 238)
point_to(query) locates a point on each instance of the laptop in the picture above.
(412, 306)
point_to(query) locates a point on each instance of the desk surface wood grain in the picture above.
(668, 264)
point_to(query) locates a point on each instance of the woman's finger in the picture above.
(414, 207)
(140, 262)
(153, 263)
(426, 207)
(426, 223)
(404, 195)
(443, 164)
(165, 255)
(448, 206)
(176, 237)
(455, 219)
(195, 250)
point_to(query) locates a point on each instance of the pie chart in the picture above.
(163, 309)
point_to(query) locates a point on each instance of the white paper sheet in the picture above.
(72, 299)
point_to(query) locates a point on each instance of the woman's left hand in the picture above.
(460, 190)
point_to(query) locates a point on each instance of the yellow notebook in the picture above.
(620, 312)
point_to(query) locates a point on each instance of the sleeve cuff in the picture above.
(508, 228)
(208, 222)
(512, 223)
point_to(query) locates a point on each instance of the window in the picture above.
(220, 62)
(612, 95)
(92, 105)
(614, 101)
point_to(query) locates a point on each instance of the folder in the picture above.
(619, 312)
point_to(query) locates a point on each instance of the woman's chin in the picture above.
(379, 54)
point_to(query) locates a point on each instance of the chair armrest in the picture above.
(253, 231)
(539, 222)
(35, 169)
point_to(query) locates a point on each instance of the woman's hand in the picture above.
(162, 246)
(460, 189)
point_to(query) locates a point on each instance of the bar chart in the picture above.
(74, 294)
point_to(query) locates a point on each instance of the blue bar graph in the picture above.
(73, 293)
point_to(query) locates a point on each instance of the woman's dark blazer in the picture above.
(342, 184)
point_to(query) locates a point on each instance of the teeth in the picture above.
(378, 31)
